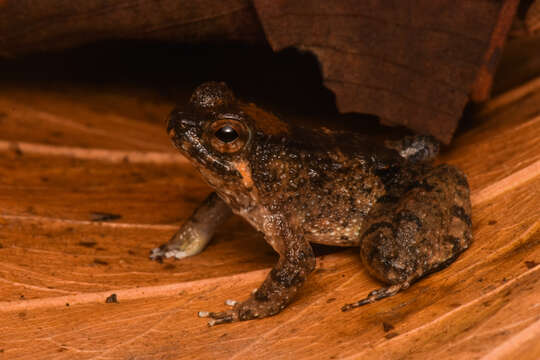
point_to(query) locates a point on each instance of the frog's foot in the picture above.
(223, 317)
(188, 241)
(217, 318)
(377, 295)
(196, 232)
(241, 311)
(165, 252)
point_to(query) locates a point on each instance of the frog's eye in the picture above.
(226, 134)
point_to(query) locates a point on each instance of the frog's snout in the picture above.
(179, 122)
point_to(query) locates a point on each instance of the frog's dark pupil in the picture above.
(226, 134)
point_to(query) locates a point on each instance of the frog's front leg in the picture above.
(196, 232)
(296, 262)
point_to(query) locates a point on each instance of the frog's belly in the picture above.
(339, 238)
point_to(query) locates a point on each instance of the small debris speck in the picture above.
(530, 264)
(103, 216)
(492, 222)
(111, 299)
(387, 327)
(330, 300)
(391, 335)
(100, 262)
(87, 244)
(16, 149)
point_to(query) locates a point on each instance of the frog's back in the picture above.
(327, 183)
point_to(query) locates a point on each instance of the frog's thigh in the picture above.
(423, 231)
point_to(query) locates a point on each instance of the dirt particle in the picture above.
(112, 299)
(14, 147)
(87, 244)
(100, 262)
(331, 300)
(67, 304)
(492, 222)
(103, 216)
(387, 327)
(391, 335)
(22, 315)
(169, 267)
(531, 264)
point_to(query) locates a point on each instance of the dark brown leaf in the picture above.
(413, 63)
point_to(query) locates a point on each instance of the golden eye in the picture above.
(227, 134)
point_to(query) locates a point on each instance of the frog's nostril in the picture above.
(187, 122)
(179, 121)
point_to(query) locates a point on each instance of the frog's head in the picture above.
(216, 133)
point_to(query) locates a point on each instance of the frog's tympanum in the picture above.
(300, 186)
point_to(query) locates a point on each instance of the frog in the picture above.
(299, 185)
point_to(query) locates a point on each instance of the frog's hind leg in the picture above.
(421, 232)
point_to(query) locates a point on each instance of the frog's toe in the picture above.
(376, 295)
(217, 318)
(158, 254)
(164, 252)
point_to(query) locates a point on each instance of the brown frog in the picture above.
(300, 186)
